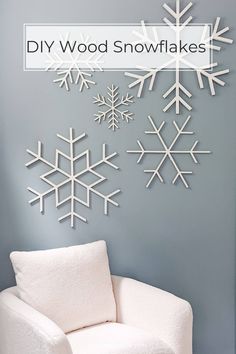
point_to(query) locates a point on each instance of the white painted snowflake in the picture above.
(72, 178)
(168, 152)
(180, 93)
(113, 110)
(77, 67)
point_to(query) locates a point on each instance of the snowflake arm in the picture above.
(54, 188)
(212, 77)
(178, 100)
(215, 36)
(83, 78)
(91, 169)
(177, 14)
(140, 79)
(144, 36)
(65, 79)
(148, 76)
(74, 65)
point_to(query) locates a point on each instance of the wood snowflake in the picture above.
(177, 93)
(72, 178)
(168, 152)
(113, 108)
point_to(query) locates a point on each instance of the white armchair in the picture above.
(149, 321)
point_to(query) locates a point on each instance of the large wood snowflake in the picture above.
(72, 178)
(178, 94)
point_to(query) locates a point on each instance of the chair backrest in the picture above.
(71, 285)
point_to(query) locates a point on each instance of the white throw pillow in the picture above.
(71, 286)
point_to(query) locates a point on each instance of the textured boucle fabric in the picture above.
(71, 286)
(116, 338)
(155, 311)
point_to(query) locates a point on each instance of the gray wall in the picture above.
(177, 239)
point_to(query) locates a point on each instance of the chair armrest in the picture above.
(26, 331)
(154, 310)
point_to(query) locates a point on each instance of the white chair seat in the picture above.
(115, 338)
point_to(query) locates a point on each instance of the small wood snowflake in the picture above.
(113, 111)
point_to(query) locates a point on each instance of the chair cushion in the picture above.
(115, 338)
(71, 286)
